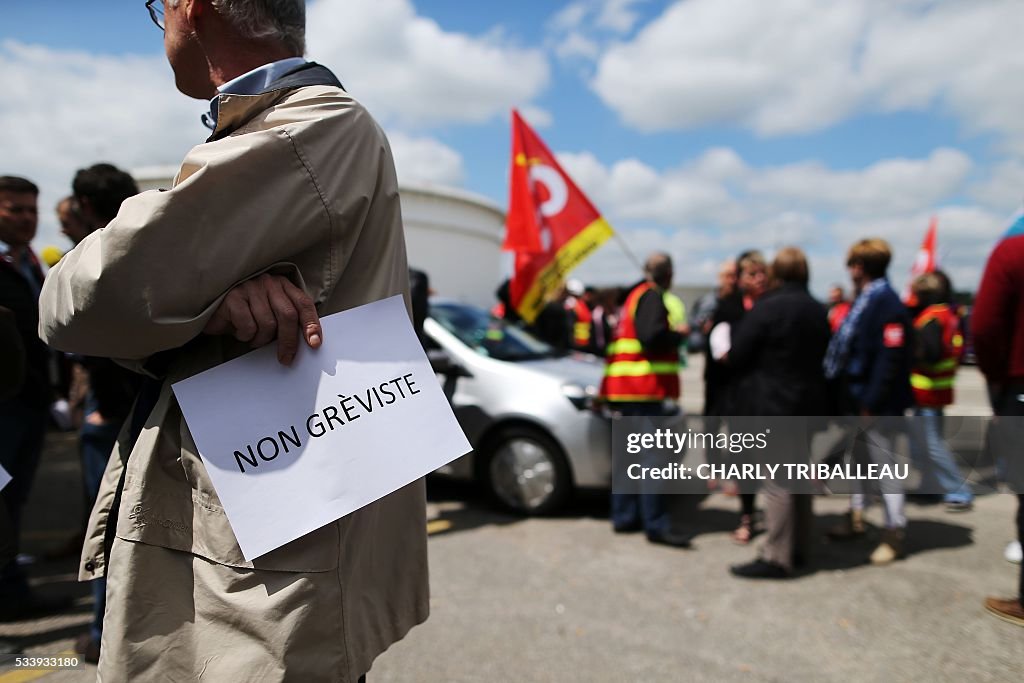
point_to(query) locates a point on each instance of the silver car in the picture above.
(526, 409)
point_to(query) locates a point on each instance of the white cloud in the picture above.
(1003, 190)
(411, 72)
(718, 204)
(537, 117)
(795, 66)
(576, 45)
(889, 186)
(618, 15)
(124, 110)
(570, 17)
(425, 159)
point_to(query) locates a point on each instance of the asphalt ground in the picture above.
(564, 599)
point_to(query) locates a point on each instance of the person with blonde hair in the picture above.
(870, 359)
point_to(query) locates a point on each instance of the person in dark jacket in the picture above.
(776, 357)
(552, 324)
(12, 376)
(752, 278)
(642, 380)
(98, 192)
(24, 416)
(870, 358)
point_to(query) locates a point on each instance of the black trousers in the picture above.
(1011, 404)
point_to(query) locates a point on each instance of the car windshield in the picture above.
(487, 335)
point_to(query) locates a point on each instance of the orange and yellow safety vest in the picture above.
(933, 382)
(632, 373)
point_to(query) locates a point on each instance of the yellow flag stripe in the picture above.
(568, 257)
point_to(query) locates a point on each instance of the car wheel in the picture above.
(524, 470)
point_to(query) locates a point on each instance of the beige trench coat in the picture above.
(305, 185)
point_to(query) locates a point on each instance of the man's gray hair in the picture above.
(282, 20)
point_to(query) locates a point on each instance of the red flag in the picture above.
(926, 260)
(551, 225)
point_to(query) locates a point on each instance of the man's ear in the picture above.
(194, 11)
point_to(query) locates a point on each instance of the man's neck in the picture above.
(223, 71)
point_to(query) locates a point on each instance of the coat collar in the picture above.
(235, 110)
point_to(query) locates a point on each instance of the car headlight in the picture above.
(580, 396)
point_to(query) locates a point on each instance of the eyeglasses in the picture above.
(156, 12)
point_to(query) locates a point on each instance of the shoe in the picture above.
(959, 506)
(9, 647)
(890, 549)
(670, 538)
(31, 606)
(1007, 610)
(1013, 552)
(760, 569)
(851, 527)
(88, 647)
(744, 532)
(627, 528)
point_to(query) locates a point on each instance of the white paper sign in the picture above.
(5, 478)
(720, 340)
(290, 449)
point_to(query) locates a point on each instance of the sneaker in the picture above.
(1013, 552)
(1007, 610)
(890, 548)
(851, 527)
(760, 569)
(959, 506)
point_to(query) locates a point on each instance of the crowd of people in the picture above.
(290, 208)
(771, 349)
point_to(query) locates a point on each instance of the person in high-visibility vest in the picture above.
(641, 377)
(580, 314)
(938, 347)
(677, 320)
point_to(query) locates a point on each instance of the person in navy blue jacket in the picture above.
(870, 359)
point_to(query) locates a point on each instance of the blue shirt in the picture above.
(252, 83)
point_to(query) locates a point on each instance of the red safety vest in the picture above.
(631, 373)
(933, 383)
(581, 326)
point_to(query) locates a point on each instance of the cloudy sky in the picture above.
(702, 127)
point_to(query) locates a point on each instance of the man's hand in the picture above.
(265, 308)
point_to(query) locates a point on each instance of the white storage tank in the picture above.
(453, 235)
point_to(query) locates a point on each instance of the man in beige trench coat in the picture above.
(297, 180)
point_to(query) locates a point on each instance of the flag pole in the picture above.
(629, 252)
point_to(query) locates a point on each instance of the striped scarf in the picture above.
(839, 347)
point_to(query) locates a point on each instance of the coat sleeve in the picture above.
(893, 338)
(152, 278)
(992, 315)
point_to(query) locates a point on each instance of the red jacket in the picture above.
(997, 320)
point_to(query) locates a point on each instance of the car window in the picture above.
(488, 336)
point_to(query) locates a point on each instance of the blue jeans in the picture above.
(96, 442)
(648, 510)
(930, 453)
